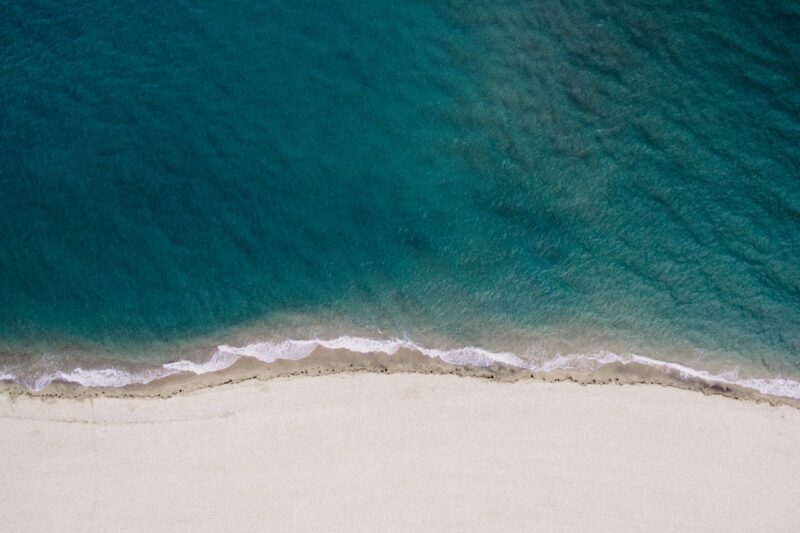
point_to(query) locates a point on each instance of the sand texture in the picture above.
(400, 452)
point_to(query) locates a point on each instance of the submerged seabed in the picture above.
(470, 356)
(447, 172)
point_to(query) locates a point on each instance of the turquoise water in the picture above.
(513, 175)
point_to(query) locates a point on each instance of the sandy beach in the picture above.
(369, 452)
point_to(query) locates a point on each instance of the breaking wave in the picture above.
(292, 349)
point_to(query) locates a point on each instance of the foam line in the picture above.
(291, 349)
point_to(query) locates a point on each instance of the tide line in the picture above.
(293, 349)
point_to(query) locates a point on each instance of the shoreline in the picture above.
(358, 452)
(325, 361)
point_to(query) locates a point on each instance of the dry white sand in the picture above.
(398, 453)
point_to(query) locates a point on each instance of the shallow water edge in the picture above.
(323, 357)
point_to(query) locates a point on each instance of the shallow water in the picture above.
(538, 178)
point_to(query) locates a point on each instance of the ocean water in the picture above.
(529, 182)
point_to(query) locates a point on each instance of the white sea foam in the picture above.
(219, 361)
(771, 386)
(99, 377)
(110, 377)
(291, 349)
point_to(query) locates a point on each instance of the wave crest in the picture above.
(292, 349)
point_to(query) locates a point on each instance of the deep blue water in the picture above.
(611, 175)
